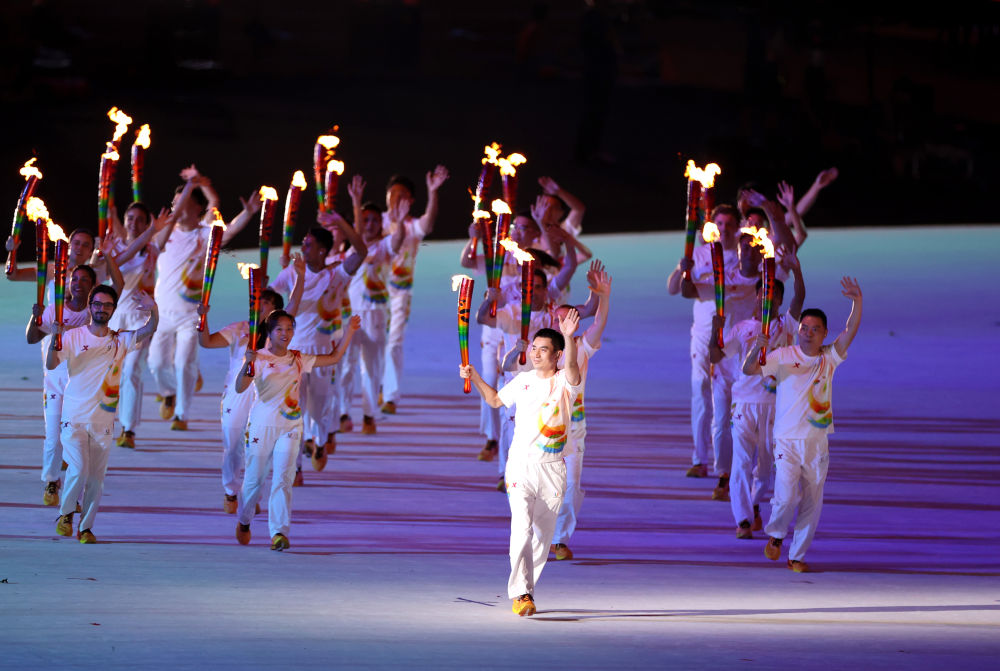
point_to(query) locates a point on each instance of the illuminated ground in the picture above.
(399, 548)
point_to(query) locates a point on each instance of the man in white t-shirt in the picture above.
(753, 402)
(803, 417)
(401, 276)
(536, 472)
(93, 356)
(173, 352)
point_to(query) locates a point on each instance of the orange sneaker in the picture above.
(489, 452)
(524, 605)
(758, 523)
(798, 566)
(744, 530)
(773, 549)
(697, 471)
(318, 458)
(299, 480)
(721, 491)
(229, 504)
(561, 551)
(368, 425)
(243, 534)
(51, 495)
(280, 542)
(346, 425)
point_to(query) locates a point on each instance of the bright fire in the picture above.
(492, 152)
(328, 141)
(56, 232)
(29, 169)
(142, 137)
(521, 255)
(710, 232)
(456, 281)
(299, 180)
(500, 207)
(760, 237)
(516, 159)
(335, 166)
(110, 153)
(35, 209)
(480, 214)
(268, 193)
(506, 167)
(245, 269)
(704, 175)
(121, 120)
(218, 218)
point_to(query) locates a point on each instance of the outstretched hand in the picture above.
(356, 189)
(851, 288)
(548, 185)
(786, 195)
(569, 323)
(354, 324)
(436, 178)
(599, 281)
(826, 177)
(252, 204)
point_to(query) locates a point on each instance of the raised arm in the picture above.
(568, 326)
(434, 179)
(18, 274)
(786, 196)
(397, 219)
(576, 207)
(600, 285)
(359, 250)
(569, 262)
(852, 290)
(791, 261)
(513, 356)
(251, 206)
(146, 330)
(468, 256)
(158, 223)
(33, 334)
(295, 297)
(488, 393)
(338, 351)
(483, 315)
(823, 180)
(114, 272)
(206, 338)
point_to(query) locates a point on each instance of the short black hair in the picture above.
(84, 231)
(272, 320)
(562, 203)
(87, 269)
(323, 237)
(757, 211)
(724, 209)
(543, 258)
(404, 181)
(101, 289)
(274, 297)
(541, 273)
(371, 206)
(813, 312)
(778, 284)
(558, 342)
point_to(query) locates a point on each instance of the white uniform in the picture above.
(235, 408)
(536, 474)
(803, 417)
(274, 433)
(94, 366)
(753, 417)
(173, 352)
(491, 344)
(136, 272)
(53, 384)
(369, 300)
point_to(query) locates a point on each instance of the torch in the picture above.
(482, 218)
(322, 153)
(710, 232)
(527, 263)
(463, 284)
(698, 179)
(252, 272)
(291, 207)
(31, 176)
(708, 189)
(269, 207)
(334, 169)
(766, 309)
(508, 177)
(211, 262)
(109, 163)
(502, 212)
(36, 212)
(122, 121)
(139, 148)
(59, 292)
(491, 152)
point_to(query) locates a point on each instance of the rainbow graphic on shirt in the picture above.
(109, 389)
(402, 271)
(375, 291)
(552, 439)
(191, 285)
(823, 416)
(770, 384)
(291, 409)
(579, 411)
(329, 319)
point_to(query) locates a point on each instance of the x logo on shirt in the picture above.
(256, 440)
(86, 347)
(796, 365)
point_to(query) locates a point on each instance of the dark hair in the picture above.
(87, 269)
(543, 258)
(141, 206)
(813, 312)
(101, 289)
(197, 196)
(323, 237)
(541, 273)
(724, 209)
(778, 284)
(371, 206)
(405, 182)
(757, 211)
(272, 320)
(562, 204)
(557, 338)
(274, 297)
(77, 231)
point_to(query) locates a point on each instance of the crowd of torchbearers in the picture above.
(328, 327)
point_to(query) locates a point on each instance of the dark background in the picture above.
(904, 104)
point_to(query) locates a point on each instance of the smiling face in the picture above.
(282, 332)
(543, 354)
(371, 225)
(811, 335)
(81, 248)
(524, 232)
(313, 253)
(102, 306)
(80, 285)
(136, 222)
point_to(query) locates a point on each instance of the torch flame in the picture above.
(760, 238)
(245, 269)
(299, 180)
(710, 232)
(110, 152)
(328, 141)
(35, 209)
(506, 167)
(55, 231)
(142, 136)
(28, 170)
(704, 175)
(519, 254)
(218, 218)
(268, 193)
(480, 214)
(335, 166)
(456, 281)
(492, 151)
(500, 207)
(121, 120)
(516, 159)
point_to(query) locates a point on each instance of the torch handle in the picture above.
(467, 387)
(11, 263)
(762, 359)
(523, 358)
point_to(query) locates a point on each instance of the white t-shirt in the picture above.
(276, 379)
(368, 286)
(94, 365)
(578, 412)
(740, 339)
(71, 319)
(740, 294)
(541, 417)
(237, 335)
(405, 259)
(804, 406)
(314, 323)
(509, 323)
(181, 270)
(136, 273)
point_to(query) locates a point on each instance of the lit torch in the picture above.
(109, 163)
(527, 263)
(698, 179)
(508, 176)
(269, 208)
(463, 284)
(122, 121)
(761, 239)
(502, 213)
(322, 153)
(37, 213)
(31, 176)
(139, 148)
(491, 152)
(251, 272)
(57, 235)
(334, 169)
(711, 234)
(211, 262)
(291, 207)
(485, 224)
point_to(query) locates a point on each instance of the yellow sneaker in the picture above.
(758, 523)
(127, 439)
(280, 542)
(51, 495)
(64, 525)
(744, 531)
(798, 566)
(319, 458)
(243, 534)
(167, 407)
(490, 451)
(561, 551)
(721, 491)
(524, 605)
(178, 424)
(389, 407)
(346, 425)
(86, 537)
(199, 383)
(299, 480)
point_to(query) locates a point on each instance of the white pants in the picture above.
(130, 394)
(535, 492)
(235, 411)
(368, 345)
(86, 448)
(490, 417)
(506, 436)
(569, 511)
(315, 391)
(711, 395)
(800, 471)
(399, 315)
(173, 357)
(340, 396)
(753, 461)
(53, 383)
(267, 444)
